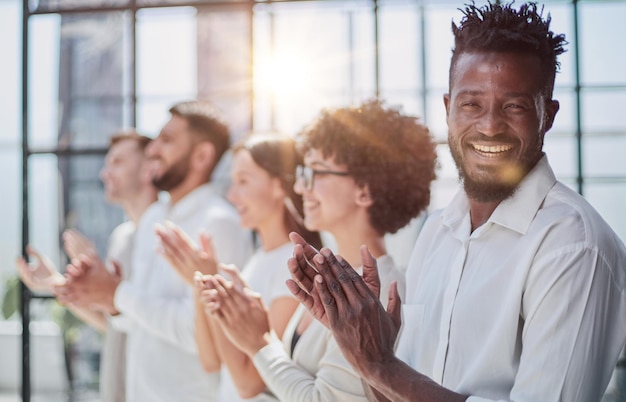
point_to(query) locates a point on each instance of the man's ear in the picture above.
(446, 103)
(203, 156)
(364, 197)
(552, 108)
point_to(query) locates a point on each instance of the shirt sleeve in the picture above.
(168, 318)
(334, 381)
(570, 340)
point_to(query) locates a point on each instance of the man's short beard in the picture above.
(173, 176)
(486, 191)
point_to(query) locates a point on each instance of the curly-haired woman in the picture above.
(367, 172)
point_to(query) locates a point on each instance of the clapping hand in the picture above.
(345, 302)
(240, 312)
(41, 275)
(183, 255)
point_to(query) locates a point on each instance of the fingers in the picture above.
(32, 252)
(300, 295)
(328, 301)
(24, 271)
(338, 276)
(223, 294)
(76, 244)
(309, 251)
(206, 243)
(301, 271)
(370, 271)
(311, 301)
(235, 275)
(170, 247)
(394, 306)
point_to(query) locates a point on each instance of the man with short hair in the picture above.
(155, 306)
(127, 183)
(517, 290)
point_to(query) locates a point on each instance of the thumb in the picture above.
(234, 275)
(394, 305)
(206, 244)
(370, 271)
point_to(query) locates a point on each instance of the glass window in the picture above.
(602, 45)
(59, 5)
(602, 110)
(609, 199)
(79, 79)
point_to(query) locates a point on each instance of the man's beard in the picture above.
(486, 191)
(490, 189)
(173, 176)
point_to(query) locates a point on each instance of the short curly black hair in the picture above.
(392, 153)
(501, 28)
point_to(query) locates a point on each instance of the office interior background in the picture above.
(74, 71)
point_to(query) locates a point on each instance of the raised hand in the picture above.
(182, 253)
(240, 312)
(41, 275)
(348, 304)
(76, 244)
(89, 284)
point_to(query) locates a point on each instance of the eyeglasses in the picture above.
(308, 174)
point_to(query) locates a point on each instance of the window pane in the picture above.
(565, 121)
(436, 115)
(609, 200)
(602, 45)
(67, 193)
(316, 75)
(10, 48)
(86, 208)
(79, 79)
(603, 155)
(399, 48)
(439, 42)
(562, 154)
(44, 206)
(43, 80)
(11, 207)
(602, 111)
(58, 5)
(163, 36)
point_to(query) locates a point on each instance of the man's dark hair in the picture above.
(204, 122)
(501, 28)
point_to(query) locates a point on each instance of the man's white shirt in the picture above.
(528, 307)
(157, 307)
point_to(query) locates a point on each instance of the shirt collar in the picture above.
(517, 211)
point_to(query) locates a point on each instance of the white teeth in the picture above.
(309, 204)
(492, 148)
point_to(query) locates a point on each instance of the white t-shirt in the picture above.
(266, 274)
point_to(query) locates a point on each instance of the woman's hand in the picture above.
(240, 312)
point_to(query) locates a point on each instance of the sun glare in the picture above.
(284, 74)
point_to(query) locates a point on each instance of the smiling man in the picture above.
(517, 290)
(154, 306)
